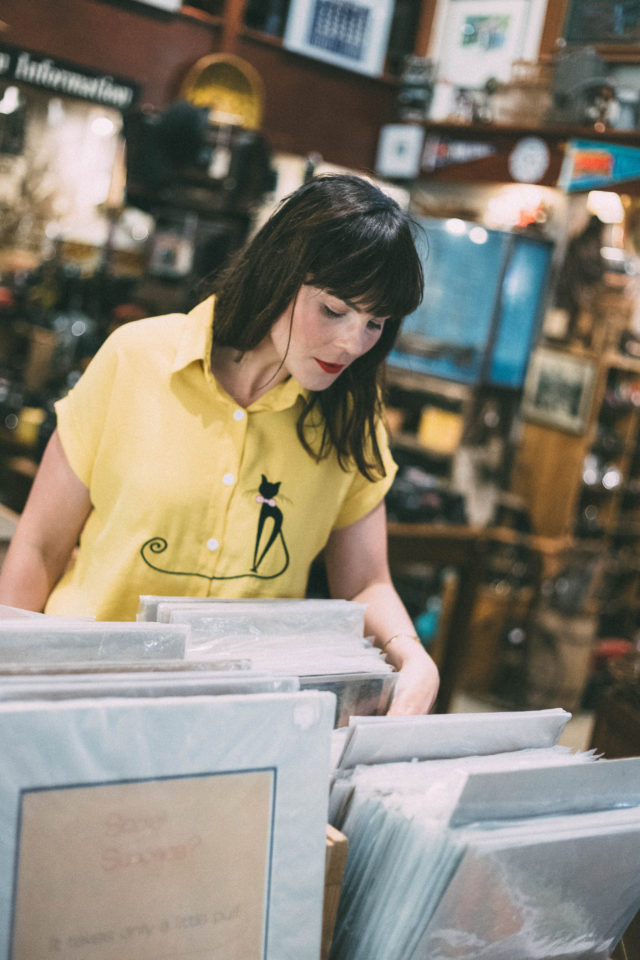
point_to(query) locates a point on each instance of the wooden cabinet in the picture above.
(587, 488)
(546, 474)
(587, 485)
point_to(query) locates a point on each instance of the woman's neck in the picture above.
(247, 376)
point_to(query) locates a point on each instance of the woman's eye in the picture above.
(375, 324)
(332, 313)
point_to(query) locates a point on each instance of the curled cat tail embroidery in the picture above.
(158, 545)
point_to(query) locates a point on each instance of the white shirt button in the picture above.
(212, 544)
(228, 479)
(238, 414)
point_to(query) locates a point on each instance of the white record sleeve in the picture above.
(171, 827)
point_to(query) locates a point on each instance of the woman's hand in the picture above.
(357, 569)
(418, 680)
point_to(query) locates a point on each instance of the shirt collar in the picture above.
(195, 345)
(195, 342)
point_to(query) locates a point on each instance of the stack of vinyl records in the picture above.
(152, 806)
(54, 658)
(321, 642)
(483, 840)
(58, 640)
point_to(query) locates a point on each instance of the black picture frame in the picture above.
(603, 22)
(559, 390)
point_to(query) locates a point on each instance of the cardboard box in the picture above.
(336, 857)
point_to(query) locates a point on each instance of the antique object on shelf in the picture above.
(230, 87)
(579, 81)
(416, 89)
(526, 97)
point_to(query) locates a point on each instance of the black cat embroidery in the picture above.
(269, 510)
(269, 528)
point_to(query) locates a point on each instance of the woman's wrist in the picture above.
(400, 649)
(412, 637)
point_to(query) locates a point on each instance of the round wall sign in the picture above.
(529, 160)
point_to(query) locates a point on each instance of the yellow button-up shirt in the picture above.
(193, 494)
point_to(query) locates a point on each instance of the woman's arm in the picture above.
(48, 530)
(357, 569)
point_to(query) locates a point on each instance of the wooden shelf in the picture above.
(549, 131)
(259, 36)
(495, 167)
(427, 384)
(621, 362)
(407, 441)
(195, 13)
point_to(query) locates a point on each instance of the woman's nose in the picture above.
(351, 338)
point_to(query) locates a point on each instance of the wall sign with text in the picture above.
(66, 79)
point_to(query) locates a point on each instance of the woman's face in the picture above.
(326, 335)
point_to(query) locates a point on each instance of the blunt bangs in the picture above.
(381, 272)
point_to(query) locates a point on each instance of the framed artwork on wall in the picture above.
(474, 40)
(603, 21)
(612, 27)
(353, 34)
(559, 389)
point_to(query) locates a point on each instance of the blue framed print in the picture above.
(353, 34)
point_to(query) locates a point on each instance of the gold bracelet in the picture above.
(397, 636)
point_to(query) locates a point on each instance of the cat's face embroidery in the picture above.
(268, 489)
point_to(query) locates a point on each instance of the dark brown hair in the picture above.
(342, 234)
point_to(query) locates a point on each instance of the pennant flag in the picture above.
(591, 165)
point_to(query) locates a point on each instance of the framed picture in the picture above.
(348, 33)
(559, 389)
(474, 40)
(611, 26)
(399, 150)
(602, 21)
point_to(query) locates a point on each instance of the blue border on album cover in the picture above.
(130, 780)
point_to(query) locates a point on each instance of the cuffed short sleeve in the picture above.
(82, 412)
(365, 494)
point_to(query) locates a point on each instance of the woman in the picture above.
(219, 452)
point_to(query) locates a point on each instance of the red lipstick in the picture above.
(329, 367)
